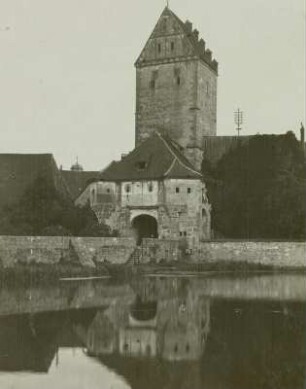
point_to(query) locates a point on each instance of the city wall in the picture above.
(51, 250)
(89, 251)
(279, 254)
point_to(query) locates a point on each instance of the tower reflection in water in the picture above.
(169, 320)
(167, 333)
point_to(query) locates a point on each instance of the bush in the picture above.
(259, 189)
(44, 211)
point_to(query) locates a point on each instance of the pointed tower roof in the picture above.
(156, 158)
(170, 25)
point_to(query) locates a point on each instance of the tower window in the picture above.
(188, 190)
(177, 75)
(172, 46)
(207, 88)
(177, 190)
(159, 47)
(153, 79)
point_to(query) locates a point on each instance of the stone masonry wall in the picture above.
(51, 250)
(167, 106)
(156, 250)
(276, 254)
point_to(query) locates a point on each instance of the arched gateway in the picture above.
(144, 226)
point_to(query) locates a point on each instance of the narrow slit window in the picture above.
(188, 190)
(172, 46)
(159, 47)
(178, 80)
(177, 190)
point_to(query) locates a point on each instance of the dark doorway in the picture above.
(145, 226)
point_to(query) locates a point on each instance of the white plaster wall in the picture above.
(139, 193)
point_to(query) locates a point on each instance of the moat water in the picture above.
(167, 332)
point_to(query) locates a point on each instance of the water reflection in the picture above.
(154, 333)
(173, 328)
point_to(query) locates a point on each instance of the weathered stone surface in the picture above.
(51, 250)
(180, 207)
(176, 87)
(276, 254)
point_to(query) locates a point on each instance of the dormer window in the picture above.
(141, 165)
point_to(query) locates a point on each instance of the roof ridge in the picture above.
(170, 167)
(177, 157)
(189, 168)
(136, 148)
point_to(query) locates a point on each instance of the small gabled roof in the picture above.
(77, 181)
(156, 158)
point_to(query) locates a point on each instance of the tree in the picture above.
(261, 189)
(44, 211)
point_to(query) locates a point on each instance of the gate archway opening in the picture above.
(144, 226)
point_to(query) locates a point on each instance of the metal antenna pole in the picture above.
(238, 120)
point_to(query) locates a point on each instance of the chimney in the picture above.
(302, 132)
(196, 34)
(208, 55)
(215, 65)
(202, 46)
(188, 26)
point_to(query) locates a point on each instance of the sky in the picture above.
(67, 77)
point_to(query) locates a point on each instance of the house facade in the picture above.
(153, 192)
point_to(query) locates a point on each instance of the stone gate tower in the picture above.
(176, 86)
